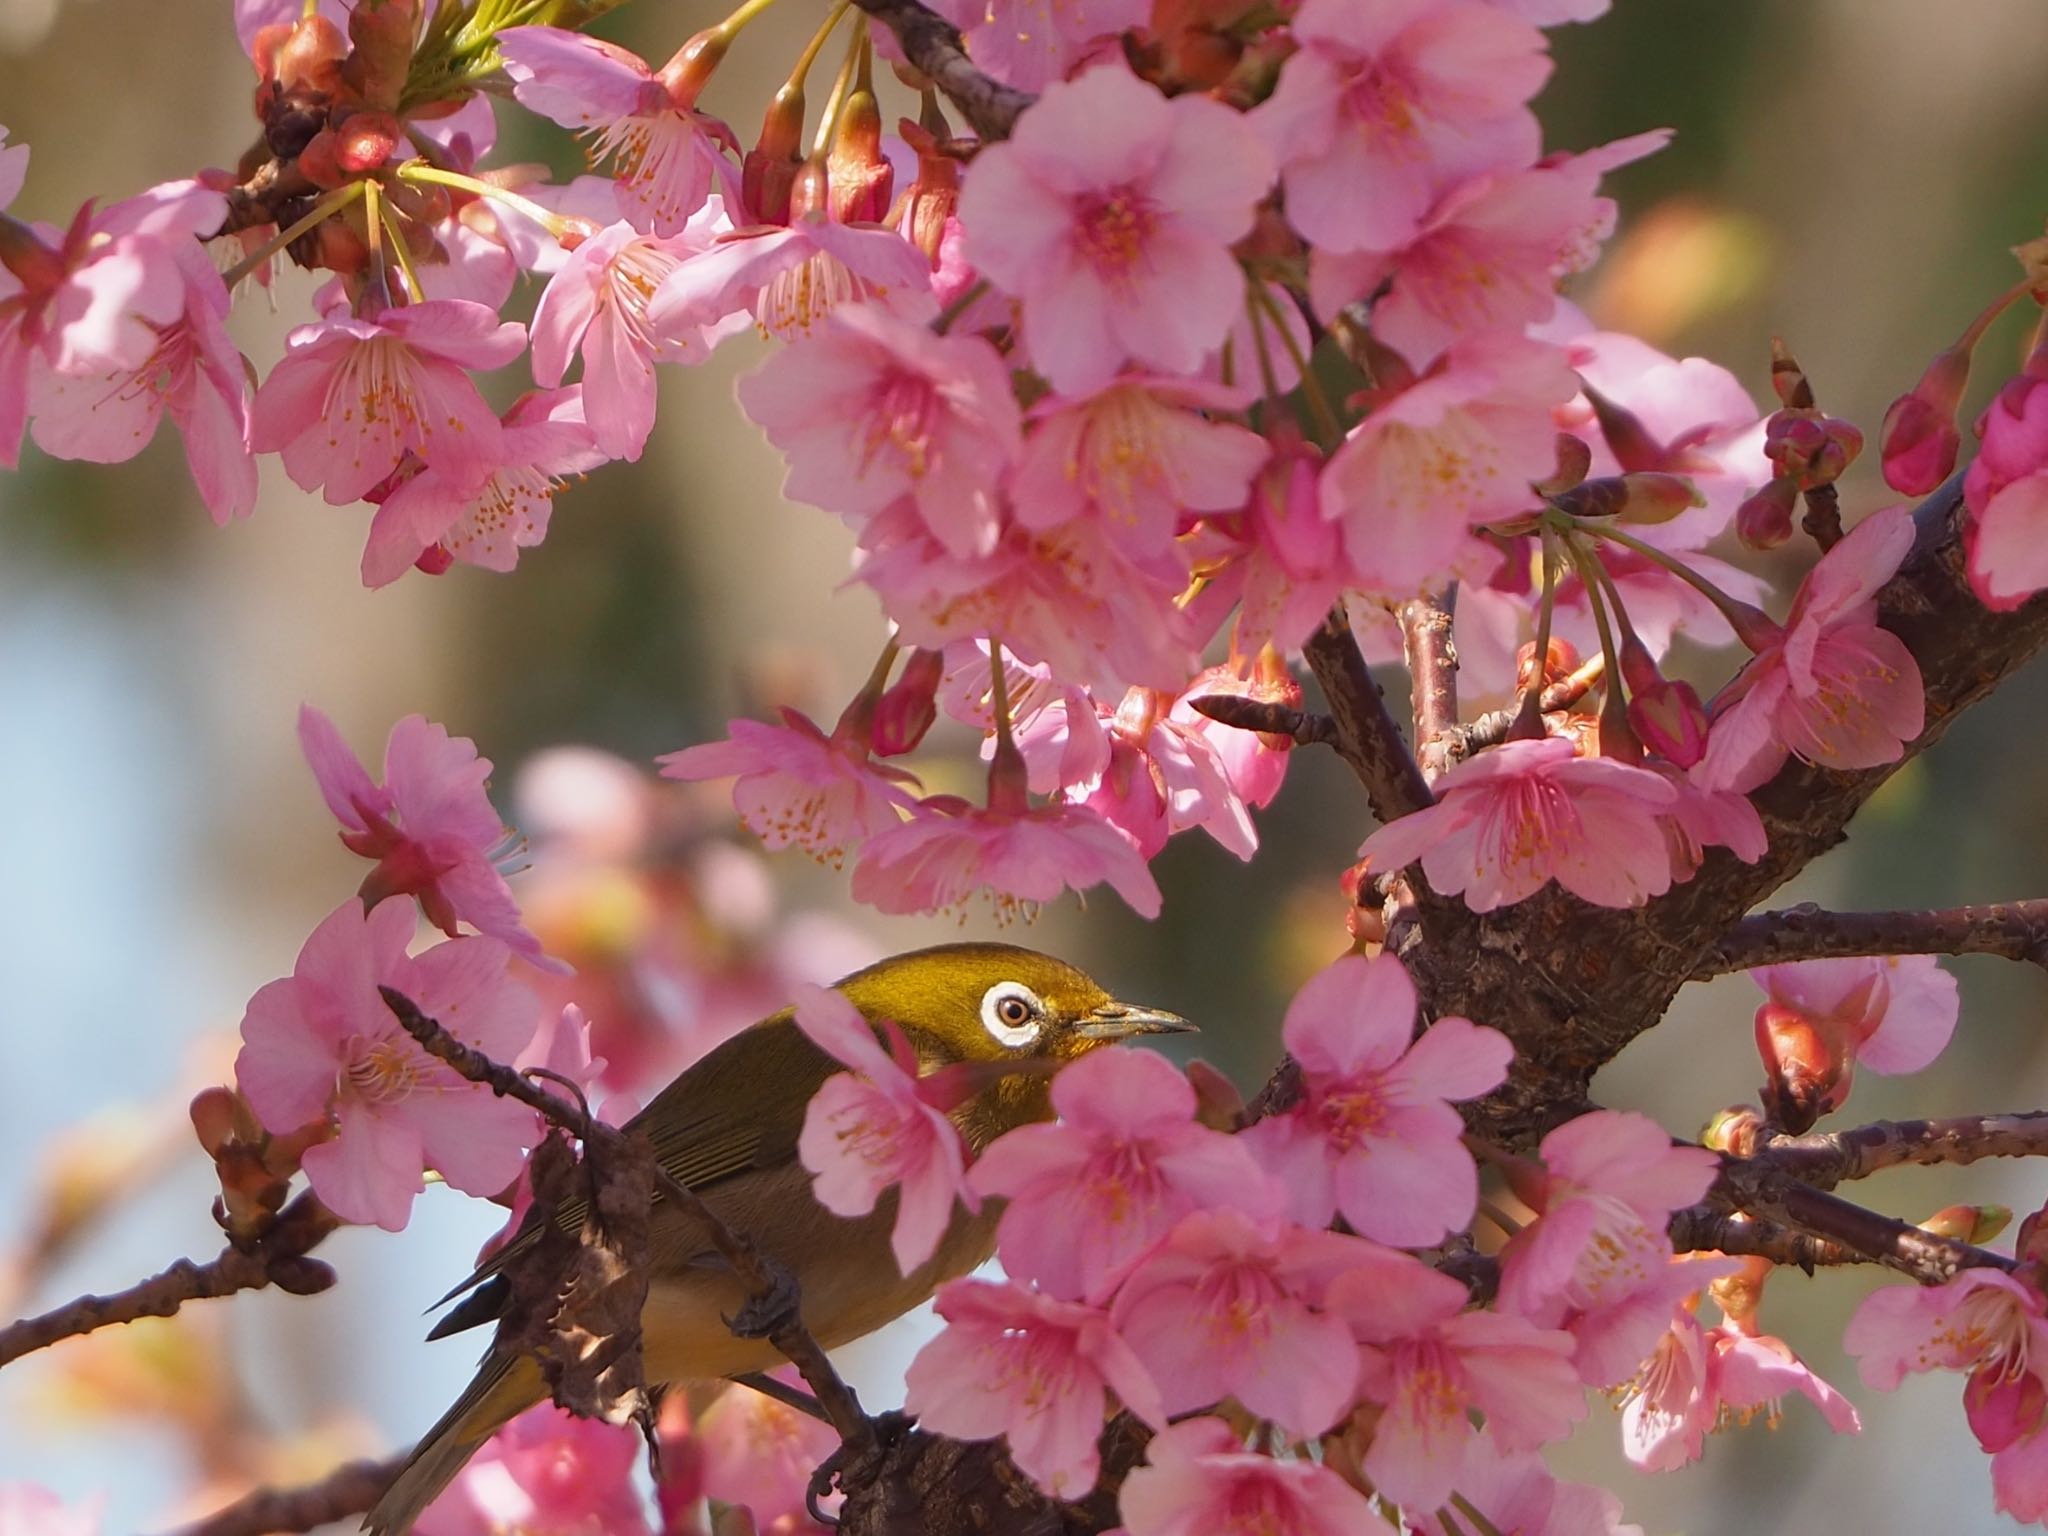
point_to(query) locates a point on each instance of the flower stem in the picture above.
(816, 45)
(972, 295)
(1528, 724)
(1741, 616)
(318, 214)
(554, 223)
(1327, 428)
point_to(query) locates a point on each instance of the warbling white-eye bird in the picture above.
(728, 1127)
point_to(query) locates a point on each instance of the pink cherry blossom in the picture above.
(790, 277)
(2006, 490)
(96, 298)
(876, 1127)
(1138, 454)
(1516, 1493)
(667, 157)
(13, 168)
(1163, 776)
(1597, 1260)
(1199, 1479)
(1429, 1363)
(1032, 1369)
(1375, 1138)
(797, 786)
(194, 375)
(483, 515)
(760, 1454)
(1227, 1306)
(1489, 255)
(1676, 416)
(1523, 813)
(322, 1045)
(1698, 1380)
(873, 408)
(1820, 1018)
(352, 396)
(1831, 686)
(597, 304)
(1386, 106)
(26, 1509)
(429, 825)
(547, 1473)
(1032, 43)
(1110, 213)
(1288, 559)
(1456, 449)
(1090, 1195)
(1072, 598)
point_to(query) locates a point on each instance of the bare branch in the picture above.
(1303, 727)
(933, 44)
(1432, 659)
(350, 1489)
(1824, 1159)
(773, 1310)
(2017, 930)
(1715, 1229)
(1762, 1191)
(1366, 736)
(277, 1258)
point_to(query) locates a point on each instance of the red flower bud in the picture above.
(861, 177)
(365, 140)
(1919, 439)
(689, 69)
(771, 166)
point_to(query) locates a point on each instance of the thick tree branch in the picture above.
(1824, 1159)
(2017, 930)
(1366, 736)
(1571, 984)
(1432, 657)
(1716, 1229)
(277, 1258)
(933, 44)
(773, 1310)
(350, 1489)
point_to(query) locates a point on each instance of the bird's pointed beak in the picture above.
(1119, 1021)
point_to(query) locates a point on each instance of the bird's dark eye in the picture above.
(1012, 1014)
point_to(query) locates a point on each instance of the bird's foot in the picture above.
(850, 1465)
(770, 1310)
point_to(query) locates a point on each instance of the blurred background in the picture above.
(1847, 174)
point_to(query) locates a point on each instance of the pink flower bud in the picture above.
(1669, 719)
(365, 140)
(1764, 520)
(1919, 439)
(1807, 1076)
(908, 706)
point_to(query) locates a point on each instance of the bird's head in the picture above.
(996, 1004)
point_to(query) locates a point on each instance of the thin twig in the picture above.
(1824, 1159)
(277, 1258)
(1303, 727)
(1366, 736)
(773, 1309)
(1432, 657)
(933, 44)
(350, 1489)
(2017, 930)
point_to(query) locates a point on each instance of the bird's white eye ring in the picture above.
(1012, 1014)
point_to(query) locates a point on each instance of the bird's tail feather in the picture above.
(502, 1390)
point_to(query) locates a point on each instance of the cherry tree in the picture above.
(1161, 359)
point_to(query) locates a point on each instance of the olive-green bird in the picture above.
(728, 1129)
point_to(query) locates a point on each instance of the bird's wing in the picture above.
(705, 1127)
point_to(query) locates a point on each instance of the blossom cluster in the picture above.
(1059, 387)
